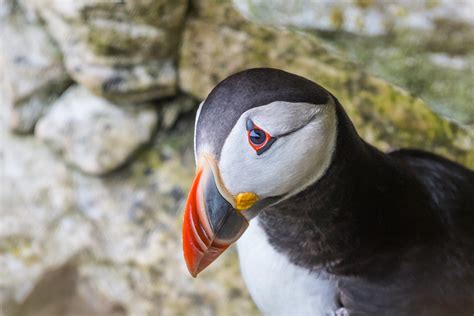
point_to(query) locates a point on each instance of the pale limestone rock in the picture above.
(31, 71)
(125, 51)
(93, 134)
(39, 229)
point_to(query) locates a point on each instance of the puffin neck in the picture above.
(365, 204)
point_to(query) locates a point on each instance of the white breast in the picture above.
(279, 287)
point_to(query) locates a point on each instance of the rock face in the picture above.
(120, 50)
(32, 69)
(368, 17)
(73, 244)
(218, 41)
(94, 134)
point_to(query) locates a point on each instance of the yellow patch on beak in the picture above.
(245, 200)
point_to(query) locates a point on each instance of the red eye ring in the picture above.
(258, 138)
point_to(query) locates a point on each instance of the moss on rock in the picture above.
(218, 42)
(122, 50)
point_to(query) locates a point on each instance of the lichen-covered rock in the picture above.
(32, 72)
(72, 244)
(373, 17)
(218, 42)
(121, 50)
(93, 134)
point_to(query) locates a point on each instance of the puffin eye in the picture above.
(258, 138)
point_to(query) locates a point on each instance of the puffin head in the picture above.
(261, 136)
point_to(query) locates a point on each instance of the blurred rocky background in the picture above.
(97, 104)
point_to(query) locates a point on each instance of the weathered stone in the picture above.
(39, 229)
(94, 134)
(72, 244)
(172, 110)
(121, 50)
(372, 17)
(6, 8)
(435, 66)
(32, 72)
(218, 43)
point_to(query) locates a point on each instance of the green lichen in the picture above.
(21, 248)
(170, 154)
(405, 58)
(112, 41)
(337, 17)
(109, 43)
(364, 4)
(160, 13)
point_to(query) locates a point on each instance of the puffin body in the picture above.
(328, 224)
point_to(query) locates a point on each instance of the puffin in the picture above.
(325, 223)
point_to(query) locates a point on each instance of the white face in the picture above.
(305, 140)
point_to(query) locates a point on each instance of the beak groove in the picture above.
(211, 224)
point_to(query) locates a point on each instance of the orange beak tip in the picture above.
(203, 244)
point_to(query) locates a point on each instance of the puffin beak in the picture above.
(212, 220)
